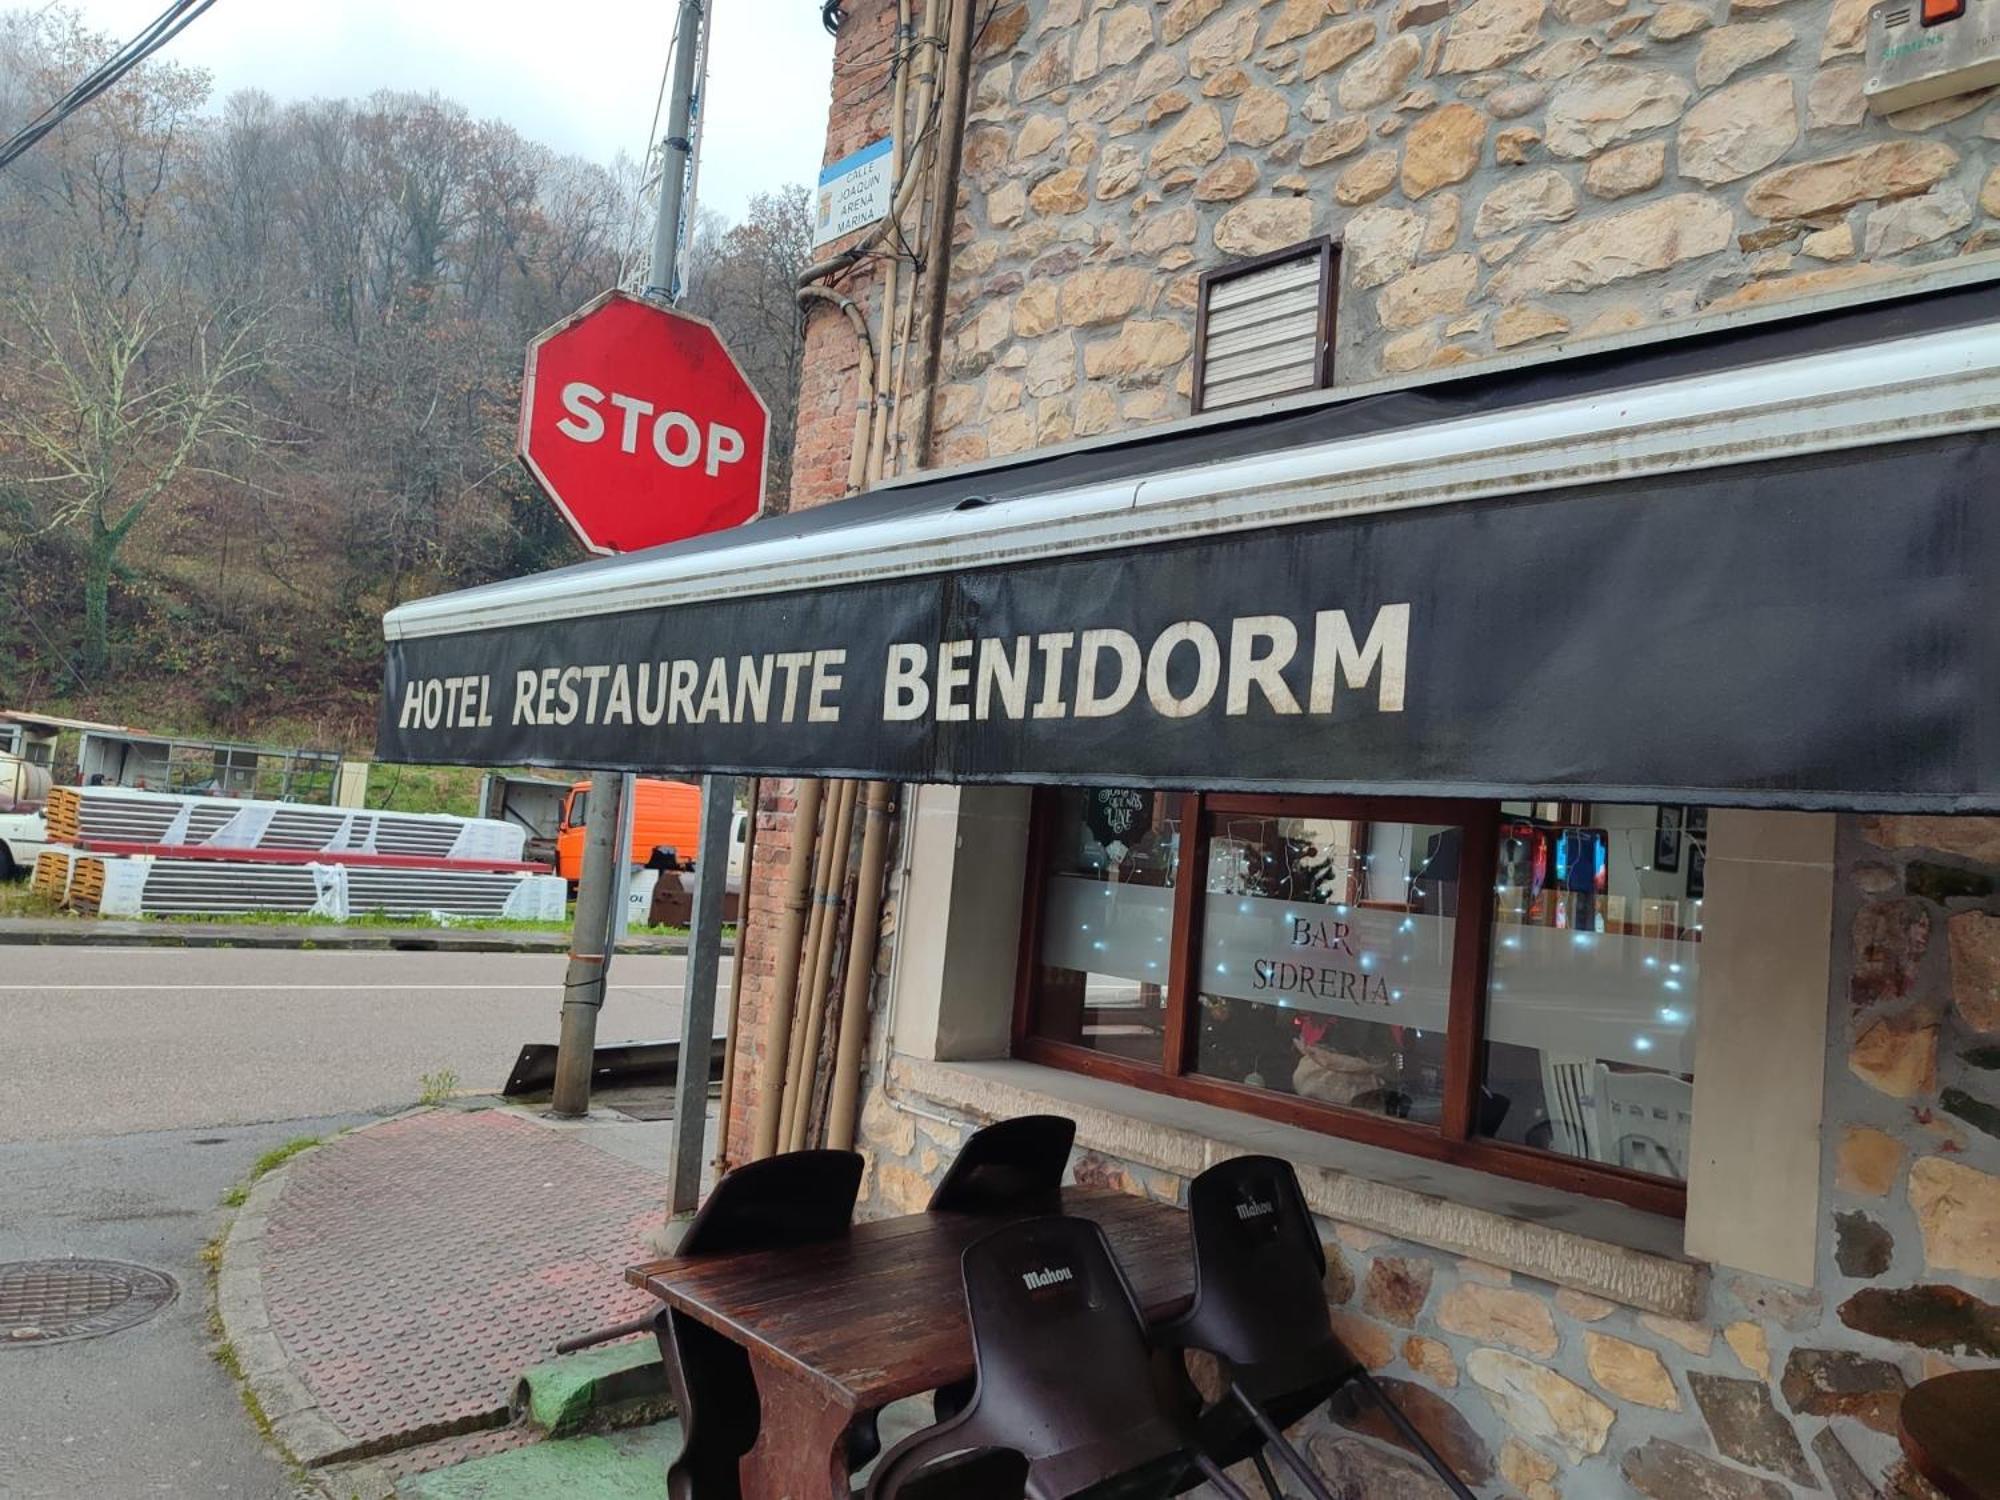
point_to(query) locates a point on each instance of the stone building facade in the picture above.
(1501, 176)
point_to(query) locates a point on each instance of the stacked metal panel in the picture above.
(145, 885)
(122, 815)
(138, 853)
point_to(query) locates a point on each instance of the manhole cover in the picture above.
(48, 1301)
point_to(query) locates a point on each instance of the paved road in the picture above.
(106, 1041)
(144, 1412)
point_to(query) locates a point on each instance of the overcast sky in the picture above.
(579, 75)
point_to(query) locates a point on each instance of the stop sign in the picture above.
(641, 426)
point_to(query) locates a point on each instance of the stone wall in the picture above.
(1778, 1391)
(1501, 173)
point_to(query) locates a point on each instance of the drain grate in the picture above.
(51, 1301)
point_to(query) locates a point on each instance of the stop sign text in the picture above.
(641, 426)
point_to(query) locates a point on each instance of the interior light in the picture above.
(1642, 1044)
(1670, 984)
(1671, 1016)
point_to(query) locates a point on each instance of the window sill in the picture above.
(1605, 1249)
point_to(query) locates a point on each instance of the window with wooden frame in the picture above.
(1264, 327)
(1509, 986)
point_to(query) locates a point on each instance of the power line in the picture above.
(169, 24)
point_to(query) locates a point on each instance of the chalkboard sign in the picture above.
(1118, 817)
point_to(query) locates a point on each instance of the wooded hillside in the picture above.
(259, 375)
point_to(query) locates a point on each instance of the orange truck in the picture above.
(665, 815)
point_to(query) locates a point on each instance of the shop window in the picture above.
(1595, 977)
(1264, 327)
(1509, 986)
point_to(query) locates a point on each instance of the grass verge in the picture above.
(270, 1161)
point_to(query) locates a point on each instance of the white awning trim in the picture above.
(1922, 386)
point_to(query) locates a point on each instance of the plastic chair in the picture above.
(1007, 1166)
(1645, 1120)
(1260, 1308)
(794, 1199)
(1066, 1377)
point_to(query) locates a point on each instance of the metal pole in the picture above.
(675, 154)
(590, 943)
(718, 793)
(704, 957)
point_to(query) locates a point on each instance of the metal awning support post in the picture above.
(704, 959)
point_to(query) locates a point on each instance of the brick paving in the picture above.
(412, 1270)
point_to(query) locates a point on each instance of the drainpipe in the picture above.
(846, 1085)
(864, 396)
(736, 968)
(809, 963)
(841, 831)
(944, 199)
(778, 1026)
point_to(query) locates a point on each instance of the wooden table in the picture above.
(839, 1329)
(1950, 1430)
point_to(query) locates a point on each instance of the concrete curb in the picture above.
(100, 932)
(297, 1425)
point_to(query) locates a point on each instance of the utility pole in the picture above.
(591, 940)
(718, 793)
(599, 886)
(676, 155)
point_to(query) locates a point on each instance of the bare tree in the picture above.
(130, 404)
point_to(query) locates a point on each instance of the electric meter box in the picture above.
(1920, 50)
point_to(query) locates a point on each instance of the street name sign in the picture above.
(641, 426)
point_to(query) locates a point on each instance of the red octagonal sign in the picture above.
(641, 426)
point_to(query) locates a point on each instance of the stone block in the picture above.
(1958, 1210)
(1897, 1056)
(1629, 1371)
(1488, 33)
(1498, 1315)
(1441, 1424)
(1862, 1248)
(1948, 1319)
(1610, 102)
(1396, 1288)
(1747, 1427)
(1443, 148)
(1662, 1470)
(1973, 939)
(1614, 247)
(1890, 169)
(1751, 1346)
(1841, 1383)
(1867, 1161)
(1540, 1405)
(1431, 1359)
(1728, 50)
(1738, 130)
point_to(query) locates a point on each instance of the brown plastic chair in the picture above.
(1260, 1308)
(798, 1198)
(1066, 1377)
(1007, 1167)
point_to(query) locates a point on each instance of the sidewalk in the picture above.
(384, 1293)
(114, 933)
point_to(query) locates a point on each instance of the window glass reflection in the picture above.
(1325, 965)
(1595, 980)
(1107, 920)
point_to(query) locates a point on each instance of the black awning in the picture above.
(1791, 605)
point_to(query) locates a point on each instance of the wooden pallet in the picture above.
(51, 877)
(86, 884)
(64, 813)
